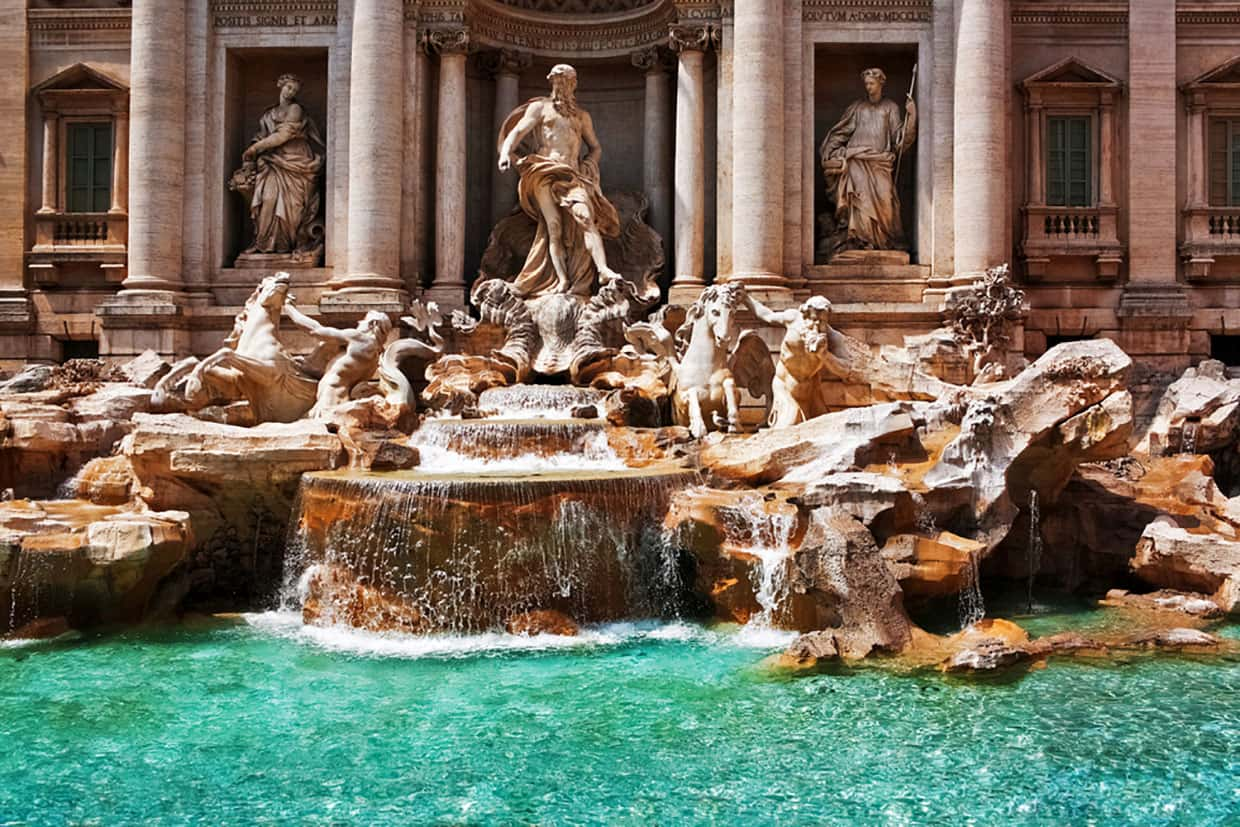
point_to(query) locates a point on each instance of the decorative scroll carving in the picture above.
(696, 37)
(447, 41)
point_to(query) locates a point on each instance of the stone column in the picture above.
(980, 167)
(1196, 151)
(1106, 154)
(120, 163)
(690, 43)
(448, 288)
(1154, 311)
(1152, 210)
(1034, 162)
(157, 146)
(506, 65)
(51, 161)
(15, 312)
(656, 144)
(376, 154)
(758, 144)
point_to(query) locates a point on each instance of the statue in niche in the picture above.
(566, 270)
(560, 190)
(811, 347)
(861, 160)
(279, 178)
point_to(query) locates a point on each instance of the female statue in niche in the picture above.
(279, 177)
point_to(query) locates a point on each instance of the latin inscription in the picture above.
(273, 21)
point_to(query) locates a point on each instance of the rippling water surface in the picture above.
(267, 722)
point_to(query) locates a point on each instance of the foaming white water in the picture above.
(757, 636)
(288, 625)
(597, 456)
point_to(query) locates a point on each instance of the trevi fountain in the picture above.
(578, 552)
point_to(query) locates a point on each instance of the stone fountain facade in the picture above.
(374, 121)
(806, 338)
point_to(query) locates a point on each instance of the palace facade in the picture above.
(1094, 145)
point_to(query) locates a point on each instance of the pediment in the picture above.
(1226, 74)
(80, 77)
(1071, 71)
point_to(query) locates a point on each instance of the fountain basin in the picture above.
(422, 552)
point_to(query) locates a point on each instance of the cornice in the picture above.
(1213, 13)
(50, 28)
(1079, 13)
(48, 20)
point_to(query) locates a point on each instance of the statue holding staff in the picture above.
(859, 159)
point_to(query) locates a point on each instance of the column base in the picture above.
(684, 292)
(16, 312)
(135, 321)
(447, 296)
(355, 302)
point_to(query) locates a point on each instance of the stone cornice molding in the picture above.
(1079, 13)
(1213, 13)
(564, 36)
(867, 11)
(692, 37)
(72, 27)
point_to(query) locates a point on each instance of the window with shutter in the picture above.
(89, 165)
(1069, 168)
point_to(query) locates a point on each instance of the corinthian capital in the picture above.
(447, 41)
(506, 61)
(697, 37)
(651, 60)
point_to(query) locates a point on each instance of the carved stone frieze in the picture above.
(579, 6)
(698, 37)
(565, 36)
(867, 11)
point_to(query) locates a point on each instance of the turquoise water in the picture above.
(267, 722)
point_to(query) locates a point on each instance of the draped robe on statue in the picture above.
(285, 203)
(867, 207)
(568, 186)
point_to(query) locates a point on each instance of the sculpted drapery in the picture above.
(568, 187)
(859, 160)
(560, 190)
(280, 178)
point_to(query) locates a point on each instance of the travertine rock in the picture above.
(1199, 412)
(146, 369)
(931, 566)
(842, 441)
(1174, 557)
(89, 564)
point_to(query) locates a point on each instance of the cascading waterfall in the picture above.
(970, 607)
(767, 535)
(1188, 437)
(487, 446)
(462, 553)
(1034, 549)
